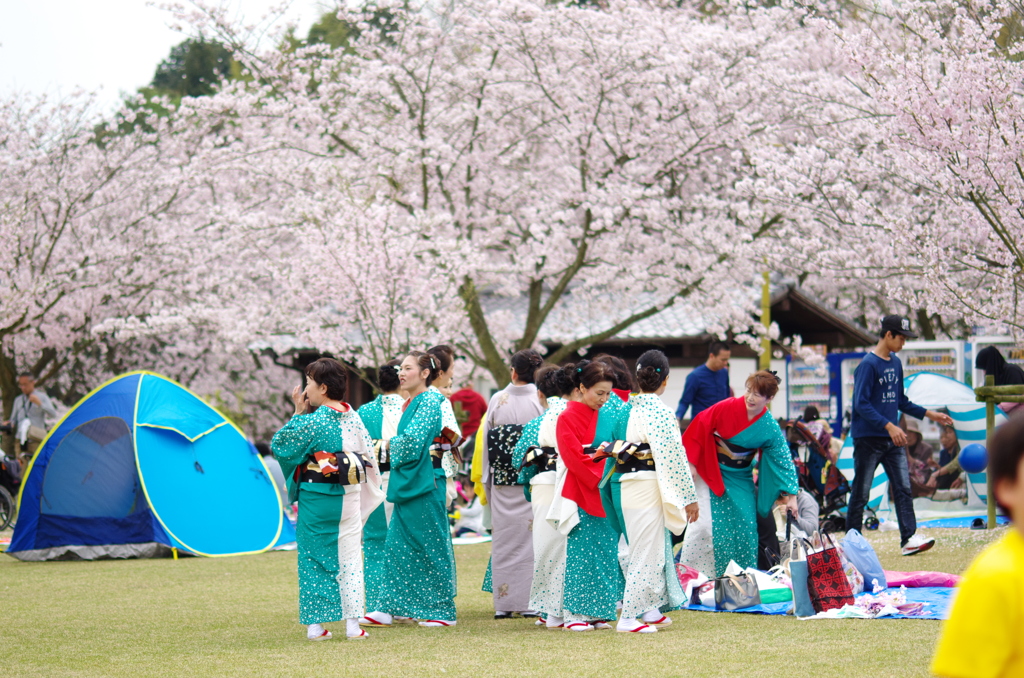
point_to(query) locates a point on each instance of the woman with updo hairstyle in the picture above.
(419, 581)
(611, 419)
(537, 458)
(593, 580)
(511, 544)
(611, 426)
(655, 492)
(444, 359)
(326, 454)
(380, 416)
(722, 443)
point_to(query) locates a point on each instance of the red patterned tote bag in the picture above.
(826, 579)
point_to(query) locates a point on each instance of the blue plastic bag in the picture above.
(802, 605)
(859, 552)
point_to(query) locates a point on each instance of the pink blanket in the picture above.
(920, 579)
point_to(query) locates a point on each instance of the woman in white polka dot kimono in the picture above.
(657, 493)
(327, 457)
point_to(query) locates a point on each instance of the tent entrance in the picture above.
(91, 493)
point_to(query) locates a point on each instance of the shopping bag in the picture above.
(826, 580)
(853, 575)
(860, 552)
(703, 594)
(802, 605)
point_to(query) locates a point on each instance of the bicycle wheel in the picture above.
(8, 508)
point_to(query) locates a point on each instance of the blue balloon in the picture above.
(973, 458)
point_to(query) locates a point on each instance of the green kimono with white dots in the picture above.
(727, 527)
(420, 579)
(330, 522)
(381, 416)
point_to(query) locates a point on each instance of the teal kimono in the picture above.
(383, 412)
(723, 445)
(420, 579)
(331, 586)
(612, 419)
(527, 440)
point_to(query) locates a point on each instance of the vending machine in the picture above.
(941, 357)
(807, 385)
(841, 367)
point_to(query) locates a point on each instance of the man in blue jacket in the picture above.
(706, 385)
(878, 399)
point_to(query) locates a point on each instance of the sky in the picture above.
(106, 46)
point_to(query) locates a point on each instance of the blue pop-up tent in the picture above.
(142, 465)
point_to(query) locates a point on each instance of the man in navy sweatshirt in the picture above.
(878, 399)
(707, 385)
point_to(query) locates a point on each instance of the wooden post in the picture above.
(765, 359)
(990, 425)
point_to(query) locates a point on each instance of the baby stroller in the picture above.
(817, 472)
(10, 482)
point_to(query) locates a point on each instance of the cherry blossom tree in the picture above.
(585, 161)
(95, 219)
(909, 175)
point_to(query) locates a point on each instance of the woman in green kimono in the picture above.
(444, 357)
(611, 426)
(593, 577)
(722, 443)
(419, 582)
(380, 416)
(326, 455)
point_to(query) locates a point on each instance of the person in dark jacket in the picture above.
(878, 399)
(1006, 374)
(706, 385)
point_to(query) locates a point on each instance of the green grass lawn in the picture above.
(238, 616)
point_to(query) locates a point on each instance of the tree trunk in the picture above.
(924, 321)
(8, 391)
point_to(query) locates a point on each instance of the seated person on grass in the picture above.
(948, 475)
(471, 516)
(984, 636)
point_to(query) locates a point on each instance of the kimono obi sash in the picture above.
(447, 441)
(333, 468)
(544, 458)
(734, 456)
(631, 457)
(380, 453)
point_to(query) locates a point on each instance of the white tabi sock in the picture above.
(314, 630)
(352, 627)
(380, 617)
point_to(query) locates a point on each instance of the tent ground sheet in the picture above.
(961, 521)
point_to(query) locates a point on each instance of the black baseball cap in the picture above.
(897, 324)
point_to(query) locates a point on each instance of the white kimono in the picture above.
(652, 501)
(548, 543)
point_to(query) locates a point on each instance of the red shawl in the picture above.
(573, 431)
(727, 418)
(622, 393)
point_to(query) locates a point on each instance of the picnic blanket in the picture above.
(471, 540)
(937, 603)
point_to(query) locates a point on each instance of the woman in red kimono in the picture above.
(724, 444)
(593, 579)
